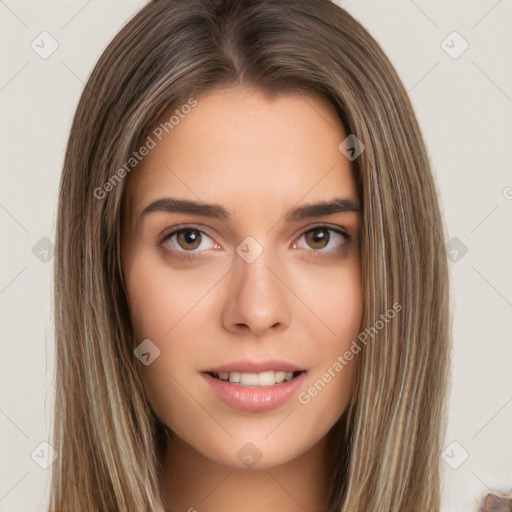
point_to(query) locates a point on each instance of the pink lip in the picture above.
(255, 367)
(254, 399)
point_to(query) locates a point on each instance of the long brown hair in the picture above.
(108, 439)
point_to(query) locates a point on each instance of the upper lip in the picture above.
(255, 366)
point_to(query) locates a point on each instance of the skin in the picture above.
(258, 157)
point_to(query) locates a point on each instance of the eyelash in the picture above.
(166, 235)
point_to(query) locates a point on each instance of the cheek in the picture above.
(339, 304)
(347, 316)
(160, 299)
(173, 310)
(335, 298)
(347, 313)
(163, 308)
(146, 310)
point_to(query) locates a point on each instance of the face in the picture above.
(238, 296)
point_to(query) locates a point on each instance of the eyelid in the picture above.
(334, 227)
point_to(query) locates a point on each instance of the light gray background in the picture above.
(464, 107)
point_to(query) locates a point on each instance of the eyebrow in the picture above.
(170, 205)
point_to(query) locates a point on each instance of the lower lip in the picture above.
(254, 399)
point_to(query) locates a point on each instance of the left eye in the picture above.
(321, 236)
(188, 239)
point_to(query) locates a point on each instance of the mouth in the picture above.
(267, 378)
(254, 386)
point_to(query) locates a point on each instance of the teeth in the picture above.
(268, 378)
(249, 379)
(279, 376)
(234, 377)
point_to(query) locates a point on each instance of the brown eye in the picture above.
(324, 241)
(185, 242)
(317, 238)
(188, 238)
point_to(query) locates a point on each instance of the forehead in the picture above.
(246, 150)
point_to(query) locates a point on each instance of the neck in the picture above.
(191, 481)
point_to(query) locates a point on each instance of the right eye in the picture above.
(185, 240)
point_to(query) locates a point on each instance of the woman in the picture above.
(251, 294)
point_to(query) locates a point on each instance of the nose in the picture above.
(256, 297)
